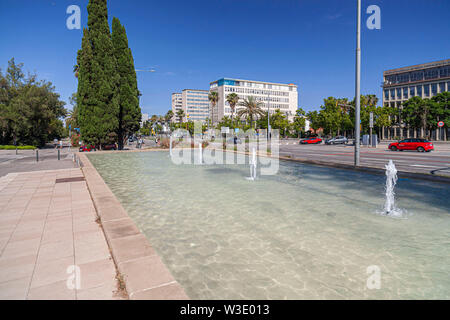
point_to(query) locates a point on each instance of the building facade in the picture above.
(423, 80)
(195, 104)
(177, 104)
(273, 95)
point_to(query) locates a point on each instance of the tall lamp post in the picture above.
(357, 84)
(268, 115)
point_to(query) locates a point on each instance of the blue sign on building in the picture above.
(226, 82)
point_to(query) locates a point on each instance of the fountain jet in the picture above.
(200, 154)
(253, 164)
(391, 180)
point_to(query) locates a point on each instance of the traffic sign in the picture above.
(440, 124)
(371, 120)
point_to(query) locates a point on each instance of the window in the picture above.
(412, 91)
(426, 90)
(434, 89)
(405, 93)
(442, 87)
(386, 94)
(392, 94)
(419, 91)
(399, 93)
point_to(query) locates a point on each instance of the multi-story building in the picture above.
(273, 95)
(423, 80)
(195, 104)
(144, 118)
(177, 104)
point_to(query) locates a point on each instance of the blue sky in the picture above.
(190, 43)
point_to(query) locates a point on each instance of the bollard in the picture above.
(37, 155)
(59, 155)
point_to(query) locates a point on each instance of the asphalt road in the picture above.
(437, 161)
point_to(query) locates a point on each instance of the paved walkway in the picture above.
(51, 246)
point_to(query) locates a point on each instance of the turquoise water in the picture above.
(308, 232)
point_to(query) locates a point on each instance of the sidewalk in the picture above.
(51, 246)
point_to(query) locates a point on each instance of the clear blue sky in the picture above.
(190, 43)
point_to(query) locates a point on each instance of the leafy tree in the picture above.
(128, 93)
(98, 79)
(30, 111)
(169, 116)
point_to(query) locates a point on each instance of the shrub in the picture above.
(204, 144)
(9, 147)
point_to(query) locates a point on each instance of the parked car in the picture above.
(110, 146)
(311, 140)
(337, 140)
(421, 145)
(87, 148)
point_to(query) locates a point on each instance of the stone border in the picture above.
(145, 275)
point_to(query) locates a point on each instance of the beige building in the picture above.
(273, 95)
(177, 104)
(423, 80)
(195, 104)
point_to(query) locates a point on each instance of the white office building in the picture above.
(273, 95)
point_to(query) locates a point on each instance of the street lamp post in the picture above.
(268, 115)
(357, 83)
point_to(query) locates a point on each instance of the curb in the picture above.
(145, 275)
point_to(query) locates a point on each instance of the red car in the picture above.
(311, 140)
(420, 145)
(87, 148)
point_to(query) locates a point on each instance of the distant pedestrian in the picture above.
(55, 143)
(140, 143)
(60, 144)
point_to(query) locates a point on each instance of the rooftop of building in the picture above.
(196, 90)
(418, 67)
(255, 81)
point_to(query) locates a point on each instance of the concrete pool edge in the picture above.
(144, 274)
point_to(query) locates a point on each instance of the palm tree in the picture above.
(180, 115)
(233, 100)
(213, 97)
(252, 109)
(168, 117)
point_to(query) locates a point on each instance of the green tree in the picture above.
(169, 116)
(129, 110)
(233, 100)
(30, 110)
(419, 113)
(98, 79)
(252, 109)
(180, 115)
(213, 97)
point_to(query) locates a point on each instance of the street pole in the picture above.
(357, 84)
(268, 115)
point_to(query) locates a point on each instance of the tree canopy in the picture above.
(30, 110)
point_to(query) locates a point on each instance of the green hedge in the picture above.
(18, 147)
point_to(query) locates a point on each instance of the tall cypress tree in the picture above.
(98, 79)
(128, 94)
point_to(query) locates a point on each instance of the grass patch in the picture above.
(3, 147)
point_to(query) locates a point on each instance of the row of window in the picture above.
(256, 91)
(419, 90)
(427, 74)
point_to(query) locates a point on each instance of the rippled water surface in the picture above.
(307, 232)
